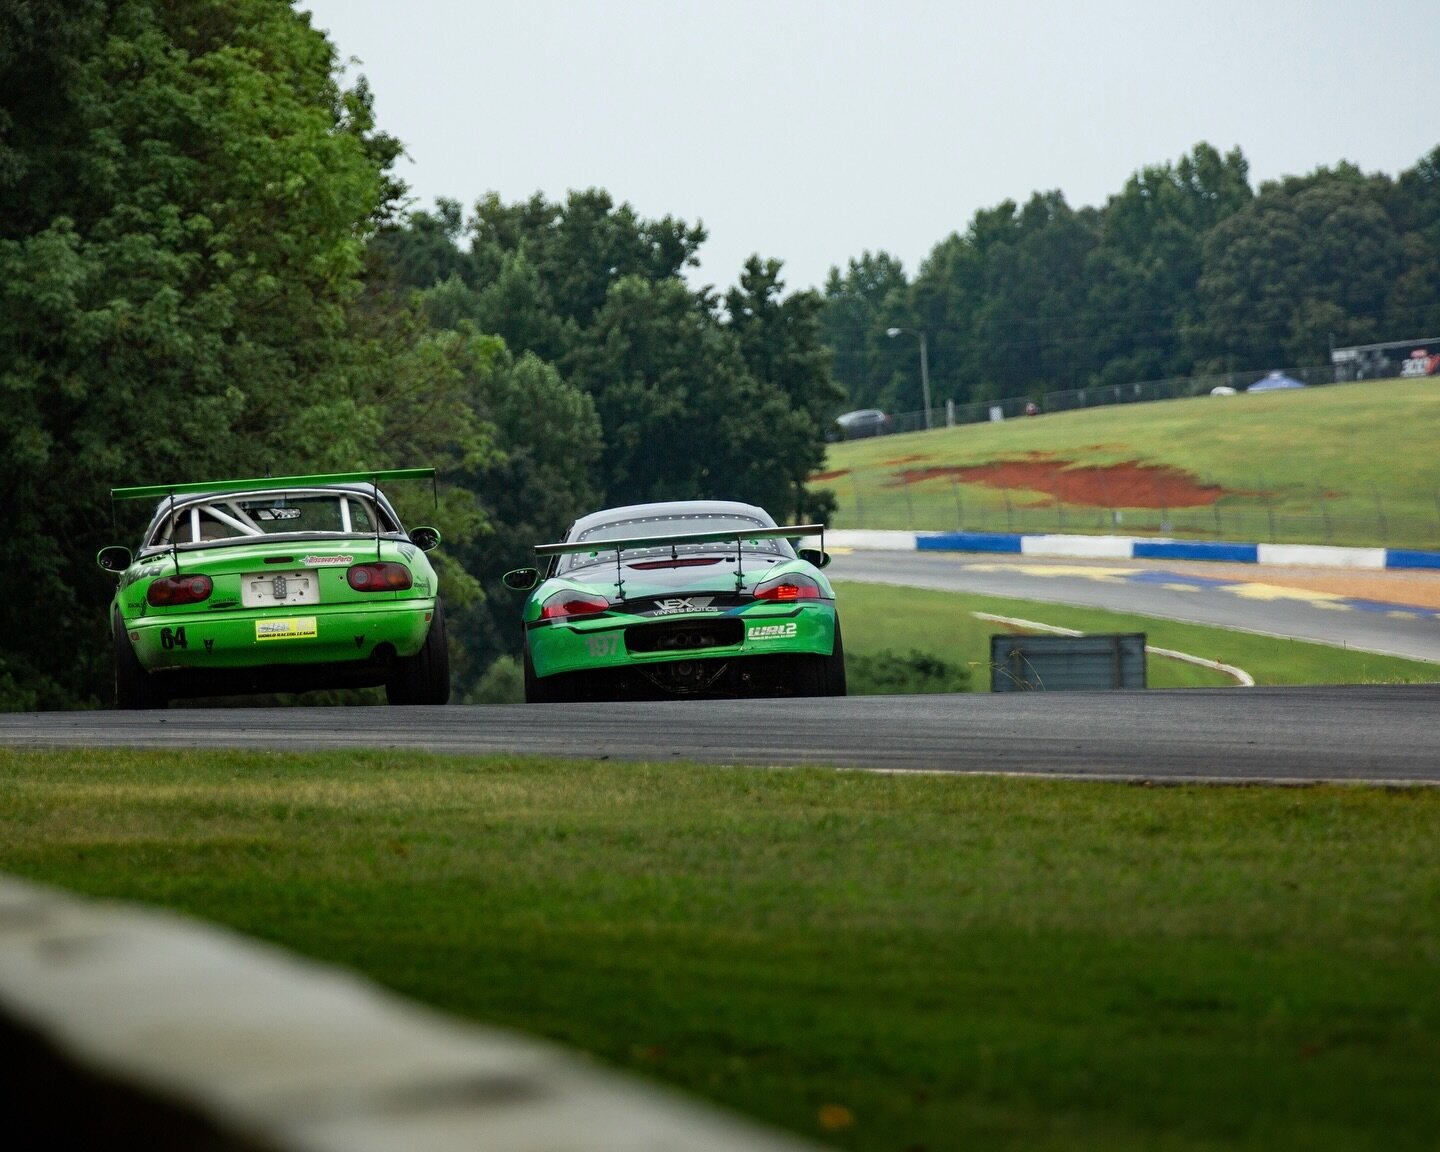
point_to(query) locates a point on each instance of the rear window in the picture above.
(672, 526)
(247, 516)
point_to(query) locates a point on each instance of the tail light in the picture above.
(384, 576)
(792, 587)
(570, 603)
(170, 591)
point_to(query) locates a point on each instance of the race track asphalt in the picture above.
(1353, 733)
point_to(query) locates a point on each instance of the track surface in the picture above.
(1371, 734)
(1258, 603)
(1261, 734)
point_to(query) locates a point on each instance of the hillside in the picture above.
(1352, 464)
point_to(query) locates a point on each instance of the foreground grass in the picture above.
(943, 624)
(1349, 464)
(926, 963)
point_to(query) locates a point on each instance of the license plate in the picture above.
(279, 589)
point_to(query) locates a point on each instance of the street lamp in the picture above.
(924, 365)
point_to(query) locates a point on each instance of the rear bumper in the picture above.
(624, 641)
(311, 636)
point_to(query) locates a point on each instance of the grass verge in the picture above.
(942, 625)
(882, 963)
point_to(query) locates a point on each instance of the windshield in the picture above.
(245, 516)
(672, 526)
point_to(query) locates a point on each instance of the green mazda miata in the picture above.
(699, 598)
(277, 585)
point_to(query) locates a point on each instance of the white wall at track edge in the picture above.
(1089, 547)
(287, 1054)
(864, 539)
(1320, 556)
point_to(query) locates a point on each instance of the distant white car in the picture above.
(1222, 390)
(862, 422)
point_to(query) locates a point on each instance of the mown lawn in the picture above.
(1350, 464)
(881, 963)
(943, 624)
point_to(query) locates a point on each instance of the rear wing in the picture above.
(159, 491)
(737, 536)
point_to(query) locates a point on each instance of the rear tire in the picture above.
(425, 677)
(547, 690)
(822, 675)
(134, 687)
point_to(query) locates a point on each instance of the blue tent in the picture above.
(1274, 383)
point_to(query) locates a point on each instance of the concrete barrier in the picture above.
(125, 1027)
(1130, 548)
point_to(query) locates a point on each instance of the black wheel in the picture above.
(425, 677)
(822, 675)
(134, 687)
(835, 666)
(538, 690)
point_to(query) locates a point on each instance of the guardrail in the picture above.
(1131, 548)
(127, 1027)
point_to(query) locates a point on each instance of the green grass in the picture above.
(1353, 464)
(942, 624)
(955, 962)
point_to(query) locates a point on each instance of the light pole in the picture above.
(924, 365)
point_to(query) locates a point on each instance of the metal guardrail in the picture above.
(127, 1027)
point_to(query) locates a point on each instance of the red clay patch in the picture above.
(821, 477)
(902, 460)
(1126, 485)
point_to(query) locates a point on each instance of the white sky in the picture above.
(813, 131)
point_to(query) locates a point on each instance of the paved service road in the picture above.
(1343, 733)
(1147, 588)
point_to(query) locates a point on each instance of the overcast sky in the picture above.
(813, 131)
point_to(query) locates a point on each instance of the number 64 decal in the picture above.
(173, 638)
(606, 644)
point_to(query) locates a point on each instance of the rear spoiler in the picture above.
(158, 491)
(675, 539)
(729, 535)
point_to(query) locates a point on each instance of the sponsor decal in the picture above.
(322, 561)
(422, 585)
(675, 605)
(772, 631)
(276, 513)
(294, 628)
(209, 646)
(408, 552)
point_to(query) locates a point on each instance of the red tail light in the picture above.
(569, 603)
(385, 576)
(794, 587)
(169, 591)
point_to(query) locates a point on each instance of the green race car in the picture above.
(701, 598)
(277, 585)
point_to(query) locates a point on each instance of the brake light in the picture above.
(570, 603)
(793, 587)
(170, 591)
(384, 576)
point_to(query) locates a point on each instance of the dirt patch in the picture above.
(1125, 485)
(902, 460)
(821, 477)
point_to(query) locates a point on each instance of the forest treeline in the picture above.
(1185, 271)
(209, 269)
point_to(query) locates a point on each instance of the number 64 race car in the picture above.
(277, 585)
(704, 598)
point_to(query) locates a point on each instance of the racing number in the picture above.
(605, 645)
(173, 638)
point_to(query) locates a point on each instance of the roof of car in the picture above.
(669, 509)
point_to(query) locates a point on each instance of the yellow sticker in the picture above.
(295, 628)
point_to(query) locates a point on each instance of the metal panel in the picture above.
(1067, 663)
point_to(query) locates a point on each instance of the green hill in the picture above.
(1355, 464)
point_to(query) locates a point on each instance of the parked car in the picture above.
(277, 585)
(695, 598)
(862, 422)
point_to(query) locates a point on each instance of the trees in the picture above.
(182, 218)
